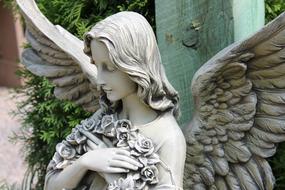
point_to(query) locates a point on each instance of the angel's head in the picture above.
(126, 46)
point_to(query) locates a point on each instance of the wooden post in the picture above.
(190, 32)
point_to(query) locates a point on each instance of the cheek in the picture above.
(122, 86)
(126, 86)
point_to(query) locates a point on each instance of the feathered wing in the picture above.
(58, 55)
(240, 114)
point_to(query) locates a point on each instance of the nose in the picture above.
(100, 78)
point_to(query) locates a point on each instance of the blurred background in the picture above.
(12, 166)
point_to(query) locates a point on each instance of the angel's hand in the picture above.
(109, 160)
(106, 143)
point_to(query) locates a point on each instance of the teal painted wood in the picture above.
(189, 32)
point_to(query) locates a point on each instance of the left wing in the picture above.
(58, 55)
(240, 112)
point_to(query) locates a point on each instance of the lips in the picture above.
(106, 90)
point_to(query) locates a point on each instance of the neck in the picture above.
(136, 111)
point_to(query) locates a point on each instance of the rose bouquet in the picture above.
(126, 136)
(123, 135)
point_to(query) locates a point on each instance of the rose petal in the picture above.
(65, 150)
(143, 160)
(63, 164)
(131, 143)
(154, 181)
(71, 139)
(140, 184)
(57, 158)
(80, 139)
(122, 143)
(136, 176)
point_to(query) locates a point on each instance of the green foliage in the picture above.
(46, 120)
(79, 16)
(272, 9)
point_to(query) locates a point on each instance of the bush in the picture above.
(273, 8)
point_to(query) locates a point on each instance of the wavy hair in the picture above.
(133, 50)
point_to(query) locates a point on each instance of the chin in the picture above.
(112, 98)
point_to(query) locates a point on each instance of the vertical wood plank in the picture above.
(189, 32)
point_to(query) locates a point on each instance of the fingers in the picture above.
(123, 164)
(107, 142)
(129, 160)
(123, 152)
(117, 170)
(91, 145)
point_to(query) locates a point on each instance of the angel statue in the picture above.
(132, 141)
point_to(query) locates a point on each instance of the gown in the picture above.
(159, 145)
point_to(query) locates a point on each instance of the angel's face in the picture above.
(116, 84)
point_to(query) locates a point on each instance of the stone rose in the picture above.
(65, 150)
(122, 184)
(57, 158)
(107, 126)
(124, 123)
(88, 124)
(144, 146)
(123, 135)
(149, 174)
(71, 138)
(79, 137)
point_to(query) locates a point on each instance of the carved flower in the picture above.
(142, 146)
(150, 160)
(149, 174)
(122, 184)
(88, 124)
(63, 164)
(124, 123)
(80, 148)
(57, 158)
(65, 150)
(123, 135)
(71, 138)
(107, 126)
(79, 137)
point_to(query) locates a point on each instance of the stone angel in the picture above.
(132, 141)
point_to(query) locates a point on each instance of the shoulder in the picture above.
(164, 132)
(170, 133)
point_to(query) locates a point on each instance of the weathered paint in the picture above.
(189, 32)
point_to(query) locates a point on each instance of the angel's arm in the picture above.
(57, 180)
(110, 160)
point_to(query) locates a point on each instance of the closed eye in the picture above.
(108, 68)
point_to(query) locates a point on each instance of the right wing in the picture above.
(239, 99)
(58, 55)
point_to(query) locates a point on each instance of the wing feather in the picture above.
(56, 54)
(240, 94)
(245, 178)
